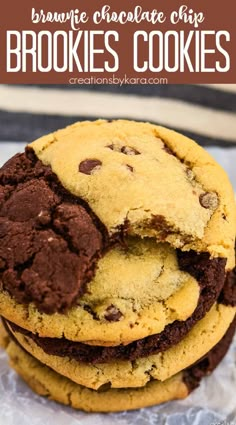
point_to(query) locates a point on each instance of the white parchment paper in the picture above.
(214, 403)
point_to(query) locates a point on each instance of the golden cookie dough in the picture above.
(137, 179)
(50, 384)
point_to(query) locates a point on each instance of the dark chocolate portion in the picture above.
(228, 294)
(49, 240)
(210, 275)
(194, 374)
(207, 273)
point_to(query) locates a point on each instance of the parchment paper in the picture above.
(213, 403)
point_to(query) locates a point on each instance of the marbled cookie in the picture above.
(117, 224)
(126, 374)
(48, 383)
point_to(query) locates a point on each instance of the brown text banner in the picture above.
(99, 42)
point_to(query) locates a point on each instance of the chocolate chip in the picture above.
(88, 166)
(209, 200)
(113, 314)
(104, 387)
(228, 293)
(130, 168)
(111, 147)
(129, 151)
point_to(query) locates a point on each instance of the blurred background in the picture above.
(206, 113)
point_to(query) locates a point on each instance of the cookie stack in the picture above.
(116, 265)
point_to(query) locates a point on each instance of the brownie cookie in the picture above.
(121, 374)
(48, 383)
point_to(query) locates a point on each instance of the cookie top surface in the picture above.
(147, 180)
